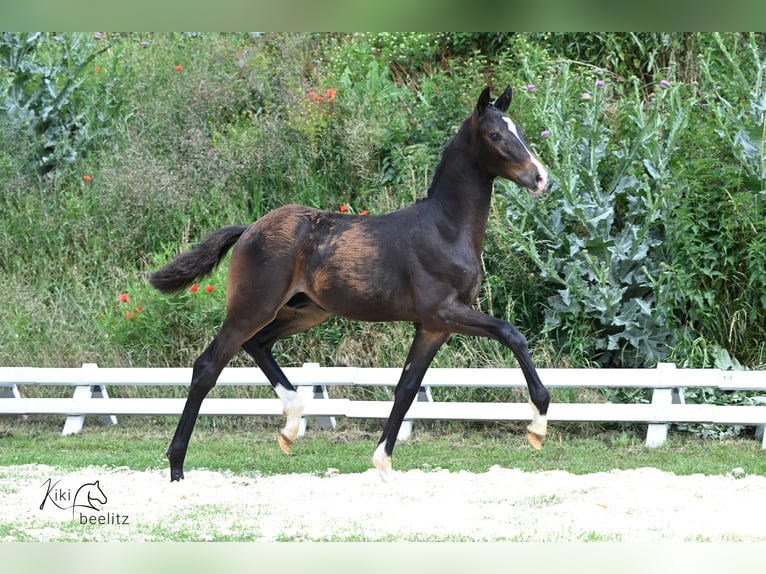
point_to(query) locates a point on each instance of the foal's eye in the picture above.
(494, 136)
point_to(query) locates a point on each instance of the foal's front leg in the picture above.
(460, 318)
(424, 347)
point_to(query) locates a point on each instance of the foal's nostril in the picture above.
(541, 181)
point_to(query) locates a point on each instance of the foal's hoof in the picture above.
(284, 443)
(382, 462)
(385, 471)
(536, 440)
(176, 468)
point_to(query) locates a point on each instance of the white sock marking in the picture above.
(293, 409)
(539, 424)
(382, 462)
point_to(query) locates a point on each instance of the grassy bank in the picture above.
(118, 150)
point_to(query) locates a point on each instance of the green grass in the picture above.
(174, 154)
(251, 447)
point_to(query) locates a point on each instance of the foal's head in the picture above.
(501, 144)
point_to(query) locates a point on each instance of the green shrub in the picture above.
(52, 93)
(647, 246)
(718, 232)
(597, 238)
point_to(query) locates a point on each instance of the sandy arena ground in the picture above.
(502, 504)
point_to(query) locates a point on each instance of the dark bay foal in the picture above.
(296, 266)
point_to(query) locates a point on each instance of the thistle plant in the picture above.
(597, 239)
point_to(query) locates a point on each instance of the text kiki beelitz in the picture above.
(86, 502)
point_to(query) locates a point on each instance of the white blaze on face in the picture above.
(543, 173)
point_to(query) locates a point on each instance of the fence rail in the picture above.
(91, 397)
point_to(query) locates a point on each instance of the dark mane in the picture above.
(443, 161)
(438, 171)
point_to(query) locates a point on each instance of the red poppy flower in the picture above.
(98, 68)
(128, 315)
(330, 94)
(194, 288)
(123, 298)
(311, 95)
(364, 212)
(209, 288)
(344, 208)
(86, 178)
(179, 68)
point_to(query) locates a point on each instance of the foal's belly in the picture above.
(364, 299)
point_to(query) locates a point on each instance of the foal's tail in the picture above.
(201, 260)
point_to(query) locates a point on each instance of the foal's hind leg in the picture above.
(207, 367)
(422, 351)
(240, 324)
(298, 315)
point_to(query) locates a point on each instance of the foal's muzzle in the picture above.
(541, 183)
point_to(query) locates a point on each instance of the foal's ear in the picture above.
(504, 101)
(481, 105)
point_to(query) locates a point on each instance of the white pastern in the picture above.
(382, 462)
(539, 424)
(293, 409)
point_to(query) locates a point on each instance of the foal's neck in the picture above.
(462, 190)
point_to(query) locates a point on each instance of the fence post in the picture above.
(761, 435)
(11, 392)
(657, 434)
(314, 392)
(73, 423)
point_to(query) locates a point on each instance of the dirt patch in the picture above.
(502, 504)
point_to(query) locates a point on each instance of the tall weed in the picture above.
(53, 95)
(597, 238)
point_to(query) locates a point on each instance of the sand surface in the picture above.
(502, 504)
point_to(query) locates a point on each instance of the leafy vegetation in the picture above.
(119, 150)
(602, 232)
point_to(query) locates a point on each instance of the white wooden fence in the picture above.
(90, 396)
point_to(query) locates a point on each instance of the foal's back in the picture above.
(354, 266)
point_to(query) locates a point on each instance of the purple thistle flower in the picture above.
(600, 84)
(98, 35)
(531, 88)
(545, 133)
(664, 83)
(144, 44)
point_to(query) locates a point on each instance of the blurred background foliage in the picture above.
(119, 150)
